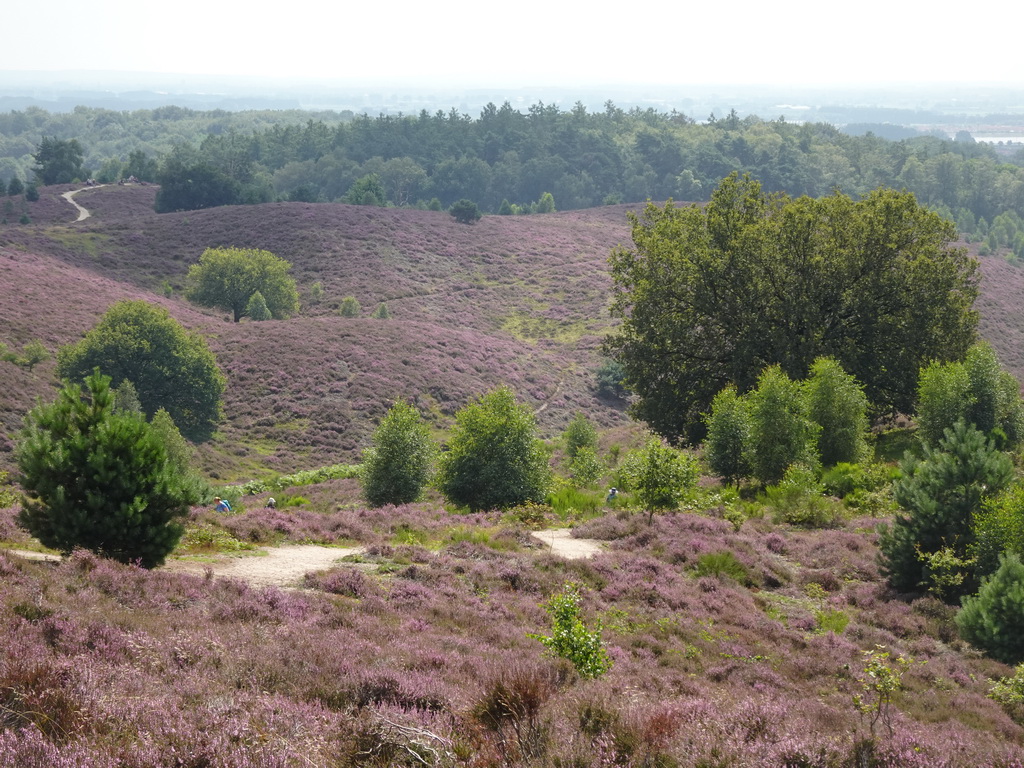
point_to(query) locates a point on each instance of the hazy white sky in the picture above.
(524, 43)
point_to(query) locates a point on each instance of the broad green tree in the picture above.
(58, 161)
(227, 278)
(494, 459)
(940, 494)
(836, 402)
(169, 367)
(397, 466)
(100, 480)
(943, 398)
(712, 295)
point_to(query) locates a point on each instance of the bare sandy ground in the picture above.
(285, 566)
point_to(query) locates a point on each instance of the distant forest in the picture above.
(507, 161)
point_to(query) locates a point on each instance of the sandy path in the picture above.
(83, 213)
(280, 566)
(561, 542)
(285, 566)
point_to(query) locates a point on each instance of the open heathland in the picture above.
(415, 635)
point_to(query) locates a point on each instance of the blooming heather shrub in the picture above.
(347, 581)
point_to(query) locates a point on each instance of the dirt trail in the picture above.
(285, 566)
(83, 213)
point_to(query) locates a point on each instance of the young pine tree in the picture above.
(100, 480)
(993, 619)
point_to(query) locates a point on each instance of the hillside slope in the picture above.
(520, 301)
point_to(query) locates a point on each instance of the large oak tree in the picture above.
(711, 295)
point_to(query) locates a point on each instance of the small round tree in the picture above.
(397, 466)
(580, 433)
(465, 211)
(661, 476)
(100, 480)
(494, 459)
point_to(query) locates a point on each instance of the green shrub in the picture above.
(256, 308)
(580, 433)
(585, 469)
(723, 563)
(1008, 692)
(660, 476)
(350, 307)
(999, 528)
(608, 379)
(570, 639)
(727, 445)
(569, 502)
(798, 500)
(993, 619)
(836, 402)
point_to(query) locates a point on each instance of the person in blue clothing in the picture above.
(612, 495)
(221, 504)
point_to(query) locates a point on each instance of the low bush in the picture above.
(798, 499)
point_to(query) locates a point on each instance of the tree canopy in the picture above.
(494, 459)
(58, 161)
(227, 278)
(170, 367)
(398, 464)
(99, 479)
(711, 296)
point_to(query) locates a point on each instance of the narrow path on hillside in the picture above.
(83, 213)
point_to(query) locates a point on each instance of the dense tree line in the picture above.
(507, 160)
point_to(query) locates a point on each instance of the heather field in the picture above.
(729, 648)
(736, 641)
(520, 301)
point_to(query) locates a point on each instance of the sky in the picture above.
(457, 42)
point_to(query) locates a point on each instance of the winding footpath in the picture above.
(83, 213)
(285, 566)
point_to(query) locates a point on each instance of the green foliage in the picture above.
(316, 292)
(8, 495)
(465, 211)
(609, 379)
(58, 161)
(798, 499)
(570, 639)
(367, 190)
(193, 185)
(726, 447)
(993, 619)
(714, 294)
(170, 367)
(836, 402)
(660, 477)
(32, 353)
(15, 187)
(350, 307)
(397, 467)
(780, 431)
(999, 528)
(31, 193)
(141, 166)
(722, 563)
(977, 391)
(882, 679)
(494, 459)
(546, 203)
(581, 433)
(941, 494)
(585, 468)
(1008, 692)
(100, 480)
(381, 312)
(256, 308)
(126, 398)
(570, 503)
(227, 278)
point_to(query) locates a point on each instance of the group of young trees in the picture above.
(712, 295)
(493, 458)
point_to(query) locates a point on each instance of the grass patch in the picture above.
(205, 539)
